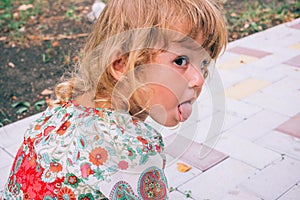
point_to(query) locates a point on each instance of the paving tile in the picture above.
(13, 149)
(295, 46)
(241, 109)
(245, 88)
(292, 194)
(176, 195)
(257, 125)
(246, 151)
(295, 61)
(239, 194)
(4, 174)
(249, 52)
(281, 143)
(5, 159)
(264, 70)
(193, 153)
(210, 127)
(240, 61)
(274, 180)
(219, 180)
(291, 126)
(13, 133)
(296, 26)
(286, 89)
(176, 178)
(230, 78)
(268, 102)
(226, 56)
(286, 71)
(264, 40)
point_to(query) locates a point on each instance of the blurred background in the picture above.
(40, 40)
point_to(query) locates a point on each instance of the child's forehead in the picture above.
(186, 43)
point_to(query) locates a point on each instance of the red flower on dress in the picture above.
(123, 165)
(55, 167)
(99, 113)
(98, 156)
(26, 196)
(66, 192)
(63, 128)
(48, 130)
(142, 140)
(158, 148)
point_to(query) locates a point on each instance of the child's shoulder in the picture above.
(112, 126)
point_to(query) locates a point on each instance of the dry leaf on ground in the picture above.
(181, 167)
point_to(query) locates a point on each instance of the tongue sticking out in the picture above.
(185, 110)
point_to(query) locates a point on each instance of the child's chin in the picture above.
(171, 124)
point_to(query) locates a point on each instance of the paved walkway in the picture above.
(257, 156)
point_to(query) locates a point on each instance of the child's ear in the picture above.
(118, 66)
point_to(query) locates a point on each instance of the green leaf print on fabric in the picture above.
(144, 159)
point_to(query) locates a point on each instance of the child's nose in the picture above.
(195, 78)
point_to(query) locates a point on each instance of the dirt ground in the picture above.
(48, 45)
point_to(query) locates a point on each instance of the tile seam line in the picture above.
(7, 152)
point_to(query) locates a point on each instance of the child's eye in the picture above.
(181, 61)
(204, 64)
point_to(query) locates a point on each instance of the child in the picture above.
(143, 58)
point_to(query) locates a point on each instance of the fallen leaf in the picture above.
(75, 59)
(22, 29)
(25, 7)
(181, 167)
(246, 25)
(10, 64)
(55, 44)
(16, 16)
(3, 38)
(233, 14)
(14, 98)
(46, 92)
(234, 35)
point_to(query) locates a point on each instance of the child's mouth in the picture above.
(184, 110)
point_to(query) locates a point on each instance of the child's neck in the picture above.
(86, 100)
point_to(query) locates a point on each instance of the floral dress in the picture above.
(73, 152)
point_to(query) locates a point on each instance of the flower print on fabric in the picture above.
(73, 152)
(98, 156)
(66, 193)
(122, 191)
(72, 180)
(63, 128)
(152, 184)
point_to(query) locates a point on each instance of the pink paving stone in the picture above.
(207, 159)
(295, 61)
(249, 52)
(296, 26)
(291, 126)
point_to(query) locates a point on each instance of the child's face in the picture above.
(175, 78)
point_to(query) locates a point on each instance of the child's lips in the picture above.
(184, 111)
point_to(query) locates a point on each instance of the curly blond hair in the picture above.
(130, 27)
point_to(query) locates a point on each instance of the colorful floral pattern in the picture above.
(152, 184)
(74, 152)
(122, 190)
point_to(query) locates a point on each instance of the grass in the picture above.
(12, 19)
(259, 16)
